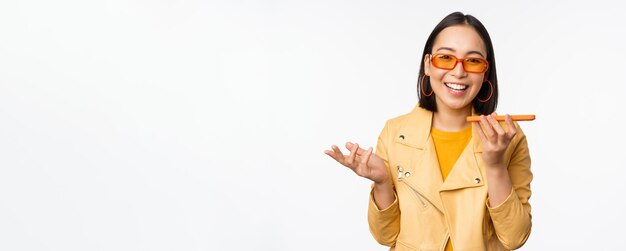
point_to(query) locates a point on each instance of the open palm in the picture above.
(363, 162)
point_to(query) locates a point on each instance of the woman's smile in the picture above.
(456, 88)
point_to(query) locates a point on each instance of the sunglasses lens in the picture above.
(444, 61)
(475, 65)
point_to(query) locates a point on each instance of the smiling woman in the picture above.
(441, 182)
(465, 39)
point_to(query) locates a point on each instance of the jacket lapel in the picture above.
(466, 171)
(423, 163)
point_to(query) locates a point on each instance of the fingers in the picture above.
(512, 129)
(356, 160)
(495, 139)
(493, 131)
(330, 153)
(360, 151)
(353, 151)
(338, 155)
(495, 125)
(362, 169)
(484, 124)
(482, 136)
(366, 156)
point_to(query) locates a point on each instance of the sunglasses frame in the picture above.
(462, 60)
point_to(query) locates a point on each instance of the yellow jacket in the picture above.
(427, 211)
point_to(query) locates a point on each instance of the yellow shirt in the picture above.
(449, 146)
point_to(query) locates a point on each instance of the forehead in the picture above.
(461, 38)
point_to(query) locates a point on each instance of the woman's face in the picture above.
(455, 89)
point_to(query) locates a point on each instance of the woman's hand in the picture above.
(495, 142)
(494, 138)
(362, 162)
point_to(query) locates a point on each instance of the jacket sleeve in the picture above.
(512, 218)
(384, 223)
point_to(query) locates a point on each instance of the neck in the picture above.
(451, 120)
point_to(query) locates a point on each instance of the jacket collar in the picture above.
(416, 132)
(466, 173)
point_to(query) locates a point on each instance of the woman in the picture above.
(440, 182)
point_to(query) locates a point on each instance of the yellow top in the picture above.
(449, 146)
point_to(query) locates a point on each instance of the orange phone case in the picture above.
(526, 117)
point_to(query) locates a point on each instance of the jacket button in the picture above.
(407, 174)
(401, 137)
(476, 180)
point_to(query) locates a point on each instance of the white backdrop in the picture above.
(195, 125)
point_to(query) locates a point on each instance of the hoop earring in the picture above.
(490, 93)
(422, 87)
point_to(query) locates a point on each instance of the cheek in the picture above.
(478, 83)
(437, 75)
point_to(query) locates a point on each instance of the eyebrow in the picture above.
(469, 52)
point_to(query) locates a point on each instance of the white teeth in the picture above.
(456, 86)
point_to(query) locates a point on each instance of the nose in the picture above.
(458, 70)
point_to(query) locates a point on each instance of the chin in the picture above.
(457, 105)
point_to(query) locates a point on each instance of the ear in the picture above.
(427, 64)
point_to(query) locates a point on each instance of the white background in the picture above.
(195, 125)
